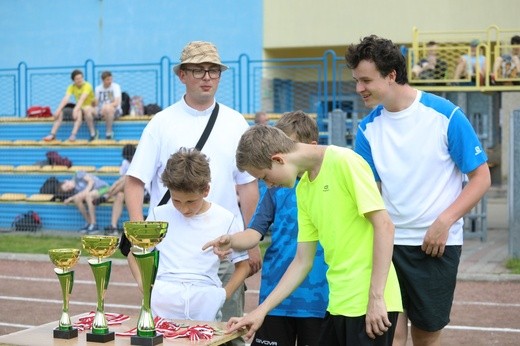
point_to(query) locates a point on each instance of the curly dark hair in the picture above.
(75, 73)
(383, 52)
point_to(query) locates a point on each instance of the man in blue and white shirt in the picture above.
(420, 147)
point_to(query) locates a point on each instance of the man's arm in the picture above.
(237, 278)
(294, 275)
(134, 268)
(117, 101)
(62, 104)
(117, 186)
(82, 99)
(437, 234)
(376, 320)
(134, 195)
(248, 195)
(83, 193)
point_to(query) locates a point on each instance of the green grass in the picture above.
(39, 243)
(514, 265)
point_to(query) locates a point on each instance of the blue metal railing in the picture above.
(247, 86)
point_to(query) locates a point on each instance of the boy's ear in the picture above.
(278, 158)
(206, 191)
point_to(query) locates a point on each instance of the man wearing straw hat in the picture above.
(181, 125)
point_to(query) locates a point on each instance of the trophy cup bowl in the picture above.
(100, 247)
(64, 260)
(144, 235)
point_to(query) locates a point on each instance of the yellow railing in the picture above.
(450, 50)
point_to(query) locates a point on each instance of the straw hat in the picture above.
(198, 52)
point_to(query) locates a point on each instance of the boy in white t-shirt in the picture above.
(108, 99)
(187, 285)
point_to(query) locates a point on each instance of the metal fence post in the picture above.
(514, 187)
(475, 222)
(337, 128)
(21, 102)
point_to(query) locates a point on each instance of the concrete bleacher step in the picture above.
(96, 156)
(6, 168)
(108, 169)
(8, 196)
(40, 197)
(24, 129)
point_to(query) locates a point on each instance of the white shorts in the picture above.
(187, 301)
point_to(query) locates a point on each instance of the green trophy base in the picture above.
(101, 337)
(146, 340)
(65, 334)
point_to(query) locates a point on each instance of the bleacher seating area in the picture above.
(22, 152)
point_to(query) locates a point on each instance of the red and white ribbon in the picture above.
(85, 323)
(172, 330)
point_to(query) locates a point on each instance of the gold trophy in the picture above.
(145, 235)
(64, 260)
(100, 247)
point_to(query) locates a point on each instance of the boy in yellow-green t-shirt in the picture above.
(340, 206)
(84, 108)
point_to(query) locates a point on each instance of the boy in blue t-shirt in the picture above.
(298, 318)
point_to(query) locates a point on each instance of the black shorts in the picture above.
(342, 331)
(427, 284)
(291, 331)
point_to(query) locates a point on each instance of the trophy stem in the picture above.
(147, 263)
(101, 271)
(66, 279)
(65, 330)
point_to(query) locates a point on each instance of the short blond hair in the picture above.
(300, 126)
(187, 170)
(259, 143)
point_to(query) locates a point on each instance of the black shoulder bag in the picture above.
(124, 244)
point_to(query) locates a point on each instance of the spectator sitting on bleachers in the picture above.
(85, 99)
(508, 65)
(87, 188)
(108, 100)
(466, 67)
(431, 66)
(116, 191)
(261, 118)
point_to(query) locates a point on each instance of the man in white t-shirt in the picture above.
(108, 99)
(181, 125)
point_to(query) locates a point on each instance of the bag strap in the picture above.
(200, 144)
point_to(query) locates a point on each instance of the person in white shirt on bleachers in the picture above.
(108, 101)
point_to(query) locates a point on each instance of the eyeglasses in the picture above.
(199, 73)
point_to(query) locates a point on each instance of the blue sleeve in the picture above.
(463, 144)
(362, 147)
(264, 213)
